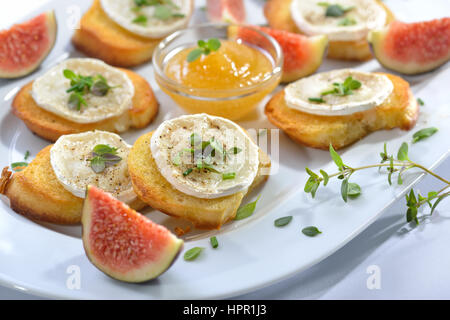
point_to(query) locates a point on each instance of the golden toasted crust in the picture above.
(155, 190)
(102, 38)
(36, 193)
(278, 15)
(50, 126)
(399, 110)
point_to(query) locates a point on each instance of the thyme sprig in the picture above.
(394, 165)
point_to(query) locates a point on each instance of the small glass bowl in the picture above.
(228, 103)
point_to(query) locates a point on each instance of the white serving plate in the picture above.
(37, 258)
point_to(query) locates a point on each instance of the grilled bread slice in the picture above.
(399, 110)
(155, 190)
(51, 126)
(36, 193)
(100, 37)
(278, 15)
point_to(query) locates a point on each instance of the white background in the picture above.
(413, 263)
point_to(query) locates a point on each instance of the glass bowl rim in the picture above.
(225, 94)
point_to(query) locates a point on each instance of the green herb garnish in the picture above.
(141, 19)
(164, 10)
(187, 172)
(18, 166)
(214, 242)
(27, 154)
(80, 85)
(420, 102)
(347, 21)
(318, 100)
(343, 89)
(423, 134)
(334, 10)
(398, 165)
(193, 253)
(103, 156)
(204, 48)
(311, 231)
(247, 210)
(281, 222)
(228, 176)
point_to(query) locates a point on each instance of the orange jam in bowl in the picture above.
(229, 82)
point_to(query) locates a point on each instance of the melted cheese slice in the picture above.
(123, 12)
(49, 91)
(171, 143)
(70, 155)
(310, 18)
(374, 90)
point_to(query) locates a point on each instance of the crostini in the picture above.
(52, 187)
(197, 167)
(125, 33)
(345, 22)
(85, 94)
(341, 107)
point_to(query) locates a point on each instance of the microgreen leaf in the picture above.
(423, 134)
(18, 166)
(204, 48)
(283, 221)
(228, 176)
(402, 154)
(311, 231)
(420, 102)
(246, 210)
(439, 199)
(194, 54)
(101, 149)
(325, 177)
(98, 164)
(344, 189)
(336, 158)
(193, 253)
(103, 156)
(318, 100)
(354, 190)
(140, 19)
(214, 242)
(347, 21)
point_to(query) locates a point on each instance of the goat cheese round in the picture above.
(151, 19)
(351, 20)
(205, 156)
(71, 157)
(374, 89)
(49, 91)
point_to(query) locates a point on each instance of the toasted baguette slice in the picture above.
(50, 126)
(36, 193)
(278, 15)
(100, 37)
(399, 110)
(156, 191)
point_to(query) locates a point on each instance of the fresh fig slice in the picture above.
(412, 48)
(24, 46)
(302, 55)
(231, 11)
(123, 243)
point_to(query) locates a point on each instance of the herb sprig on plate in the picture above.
(394, 165)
